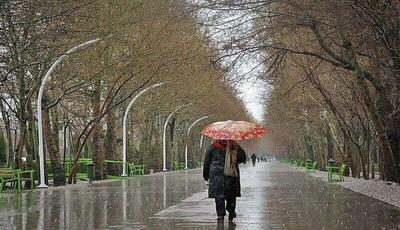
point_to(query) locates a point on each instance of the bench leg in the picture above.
(333, 177)
(14, 185)
(19, 185)
(32, 182)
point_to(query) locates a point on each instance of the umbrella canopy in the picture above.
(234, 130)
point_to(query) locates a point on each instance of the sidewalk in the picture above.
(274, 196)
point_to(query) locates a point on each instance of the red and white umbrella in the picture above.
(234, 130)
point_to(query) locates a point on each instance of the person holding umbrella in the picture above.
(221, 170)
(221, 163)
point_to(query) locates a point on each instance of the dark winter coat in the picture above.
(219, 185)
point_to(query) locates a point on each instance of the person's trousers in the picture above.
(220, 205)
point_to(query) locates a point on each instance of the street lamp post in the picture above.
(201, 145)
(187, 136)
(165, 134)
(39, 103)
(124, 125)
(201, 141)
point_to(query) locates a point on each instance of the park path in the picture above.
(274, 196)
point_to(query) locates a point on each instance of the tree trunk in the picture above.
(3, 155)
(58, 170)
(384, 126)
(329, 143)
(347, 154)
(373, 161)
(157, 154)
(110, 145)
(362, 162)
(10, 148)
(150, 147)
(390, 122)
(55, 128)
(171, 136)
(381, 169)
(309, 148)
(31, 138)
(97, 148)
(384, 135)
(21, 145)
(22, 94)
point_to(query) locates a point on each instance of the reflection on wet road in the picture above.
(274, 196)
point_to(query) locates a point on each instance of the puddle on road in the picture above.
(104, 205)
(273, 196)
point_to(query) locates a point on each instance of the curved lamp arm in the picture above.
(40, 97)
(187, 135)
(165, 134)
(125, 121)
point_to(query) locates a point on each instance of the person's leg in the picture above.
(220, 206)
(231, 206)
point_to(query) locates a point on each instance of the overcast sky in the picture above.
(252, 95)
(218, 28)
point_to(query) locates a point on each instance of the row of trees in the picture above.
(144, 42)
(334, 71)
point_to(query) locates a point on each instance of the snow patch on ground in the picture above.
(380, 190)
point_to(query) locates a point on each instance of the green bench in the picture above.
(133, 169)
(29, 177)
(310, 166)
(299, 163)
(284, 161)
(9, 176)
(136, 169)
(81, 171)
(115, 162)
(336, 171)
(119, 166)
(179, 166)
(15, 177)
(82, 176)
(81, 163)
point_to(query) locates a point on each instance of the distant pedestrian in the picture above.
(253, 159)
(221, 170)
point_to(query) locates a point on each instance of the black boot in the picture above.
(220, 219)
(231, 216)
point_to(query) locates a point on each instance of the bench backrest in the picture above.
(342, 168)
(136, 166)
(7, 172)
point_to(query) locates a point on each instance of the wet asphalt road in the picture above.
(274, 196)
